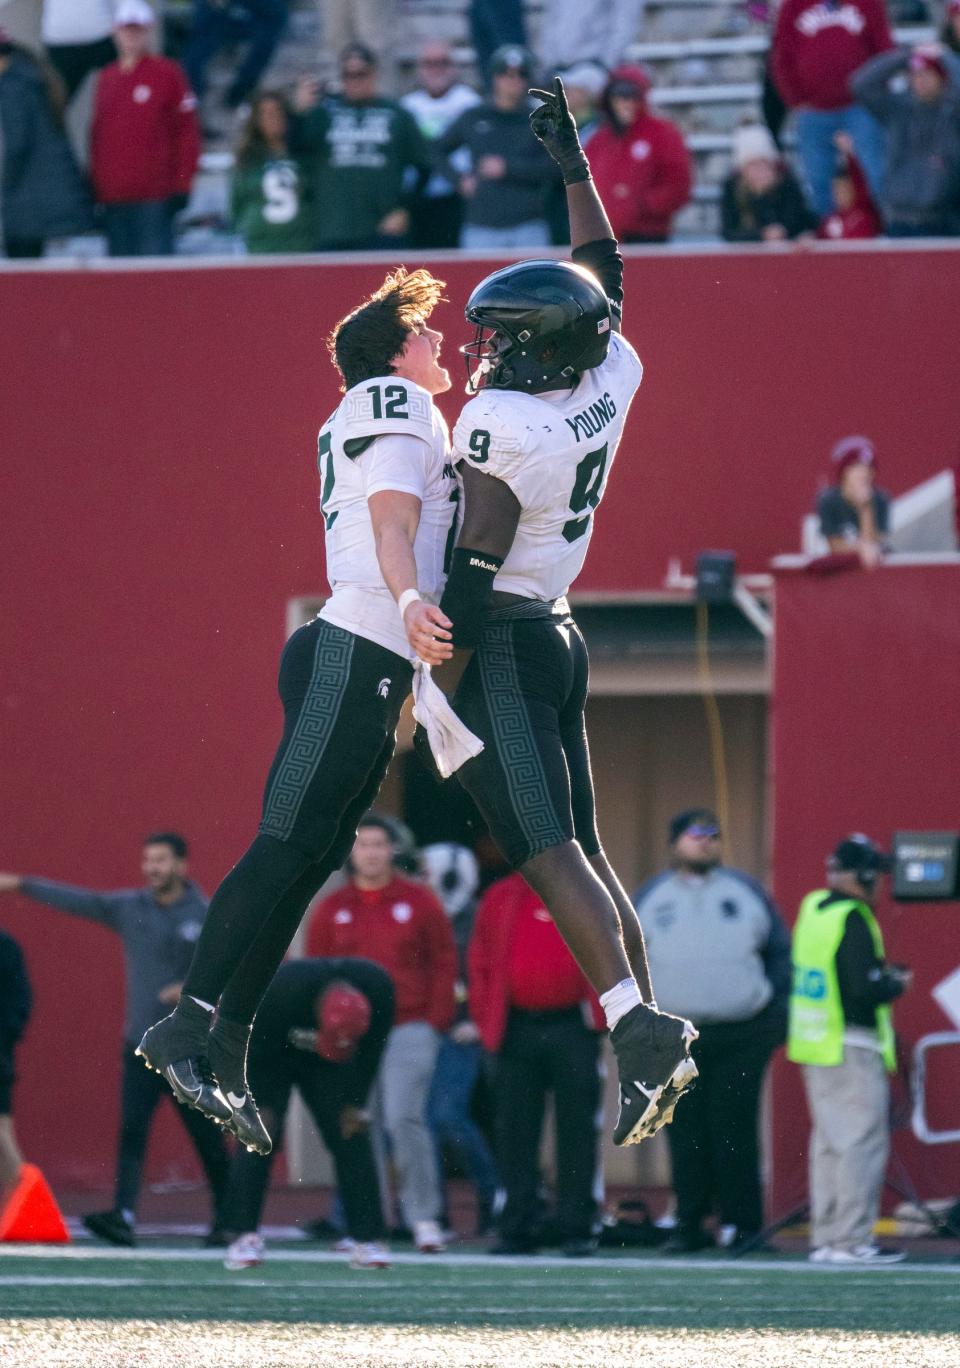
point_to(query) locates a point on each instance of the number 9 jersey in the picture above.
(554, 450)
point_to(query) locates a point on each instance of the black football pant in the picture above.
(341, 698)
(140, 1091)
(713, 1137)
(523, 693)
(545, 1052)
(272, 1077)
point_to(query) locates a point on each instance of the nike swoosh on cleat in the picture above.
(236, 1100)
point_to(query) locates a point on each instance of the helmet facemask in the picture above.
(484, 358)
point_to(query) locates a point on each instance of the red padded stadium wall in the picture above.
(158, 497)
(863, 730)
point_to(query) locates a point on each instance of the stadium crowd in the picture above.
(350, 162)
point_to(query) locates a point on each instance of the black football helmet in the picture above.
(540, 324)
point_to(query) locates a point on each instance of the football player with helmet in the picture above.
(552, 380)
(388, 498)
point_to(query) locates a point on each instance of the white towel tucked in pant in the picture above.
(451, 741)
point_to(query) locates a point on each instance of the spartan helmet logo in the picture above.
(383, 688)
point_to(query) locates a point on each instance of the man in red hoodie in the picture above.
(144, 140)
(401, 925)
(640, 163)
(817, 46)
(537, 1014)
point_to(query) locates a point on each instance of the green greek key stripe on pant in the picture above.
(318, 716)
(513, 738)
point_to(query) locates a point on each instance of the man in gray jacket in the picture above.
(158, 925)
(719, 955)
(921, 196)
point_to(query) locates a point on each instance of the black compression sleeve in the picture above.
(604, 260)
(467, 593)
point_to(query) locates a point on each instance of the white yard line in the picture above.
(718, 1272)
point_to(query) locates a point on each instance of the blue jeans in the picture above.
(448, 1114)
(815, 129)
(144, 229)
(533, 233)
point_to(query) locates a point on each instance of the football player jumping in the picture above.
(388, 498)
(553, 381)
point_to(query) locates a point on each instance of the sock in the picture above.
(619, 1000)
(228, 1054)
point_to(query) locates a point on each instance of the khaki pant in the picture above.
(403, 1086)
(849, 1104)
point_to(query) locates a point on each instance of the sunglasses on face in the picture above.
(704, 832)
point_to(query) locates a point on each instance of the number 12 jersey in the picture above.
(554, 450)
(387, 434)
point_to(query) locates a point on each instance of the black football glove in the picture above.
(554, 125)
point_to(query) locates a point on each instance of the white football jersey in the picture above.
(385, 434)
(555, 451)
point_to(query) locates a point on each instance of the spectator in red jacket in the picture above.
(640, 163)
(402, 926)
(539, 1018)
(145, 139)
(817, 46)
(854, 212)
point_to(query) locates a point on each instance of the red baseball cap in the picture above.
(927, 61)
(852, 451)
(343, 1019)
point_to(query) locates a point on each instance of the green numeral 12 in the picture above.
(586, 492)
(396, 405)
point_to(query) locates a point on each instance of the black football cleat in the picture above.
(246, 1123)
(112, 1226)
(228, 1058)
(655, 1068)
(177, 1048)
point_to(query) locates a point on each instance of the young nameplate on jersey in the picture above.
(552, 381)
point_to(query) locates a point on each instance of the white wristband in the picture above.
(406, 598)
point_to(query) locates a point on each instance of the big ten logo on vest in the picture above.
(809, 983)
(402, 912)
(593, 419)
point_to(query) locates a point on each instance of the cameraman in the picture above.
(841, 1031)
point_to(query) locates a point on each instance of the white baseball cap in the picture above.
(136, 12)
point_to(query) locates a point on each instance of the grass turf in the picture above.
(181, 1310)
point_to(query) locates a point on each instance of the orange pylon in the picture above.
(31, 1215)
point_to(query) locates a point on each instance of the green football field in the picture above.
(168, 1306)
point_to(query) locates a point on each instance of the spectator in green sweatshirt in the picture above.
(271, 199)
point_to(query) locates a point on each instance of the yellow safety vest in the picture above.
(817, 1023)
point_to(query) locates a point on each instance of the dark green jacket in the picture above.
(370, 158)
